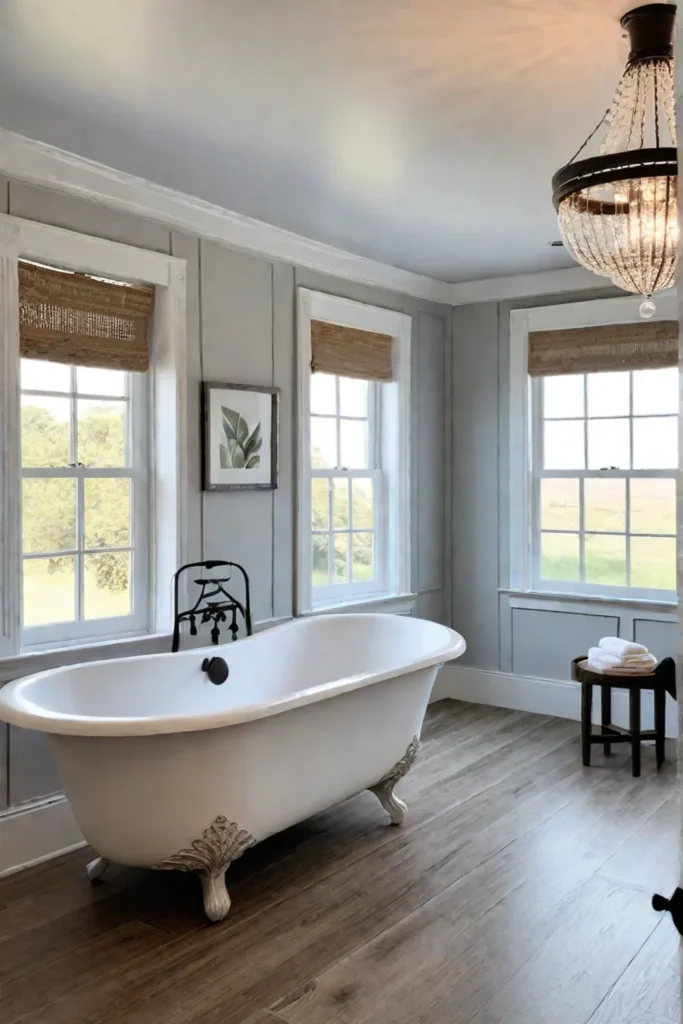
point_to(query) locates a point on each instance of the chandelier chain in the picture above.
(583, 145)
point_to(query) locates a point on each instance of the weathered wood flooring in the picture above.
(518, 892)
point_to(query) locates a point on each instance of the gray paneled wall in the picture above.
(504, 632)
(474, 405)
(241, 328)
(237, 346)
(4, 729)
(545, 642)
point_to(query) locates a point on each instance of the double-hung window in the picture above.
(354, 488)
(84, 451)
(605, 458)
(347, 488)
(85, 508)
(594, 450)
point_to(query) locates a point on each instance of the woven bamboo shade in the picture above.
(350, 352)
(639, 346)
(71, 318)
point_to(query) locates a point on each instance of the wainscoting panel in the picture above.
(659, 637)
(544, 642)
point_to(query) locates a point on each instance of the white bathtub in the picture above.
(164, 769)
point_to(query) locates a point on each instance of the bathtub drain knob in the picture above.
(216, 669)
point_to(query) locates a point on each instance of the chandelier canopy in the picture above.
(617, 211)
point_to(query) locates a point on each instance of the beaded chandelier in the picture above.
(617, 211)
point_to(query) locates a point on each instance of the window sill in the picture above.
(39, 660)
(558, 595)
(396, 604)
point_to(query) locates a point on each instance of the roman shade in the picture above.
(350, 352)
(73, 318)
(638, 346)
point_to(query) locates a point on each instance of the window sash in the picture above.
(137, 471)
(339, 591)
(372, 420)
(538, 474)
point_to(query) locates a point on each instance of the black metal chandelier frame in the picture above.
(651, 29)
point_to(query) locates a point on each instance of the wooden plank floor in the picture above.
(518, 892)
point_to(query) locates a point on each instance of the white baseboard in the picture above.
(443, 685)
(556, 697)
(37, 832)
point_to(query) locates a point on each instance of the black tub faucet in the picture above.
(213, 603)
(216, 669)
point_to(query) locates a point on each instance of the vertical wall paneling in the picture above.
(187, 248)
(237, 347)
(4, 729)
(447, 370)
(474, 402)
(284, 498)
(428, 450)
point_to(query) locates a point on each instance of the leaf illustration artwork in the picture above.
(240, 445)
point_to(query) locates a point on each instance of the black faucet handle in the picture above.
(216, 669)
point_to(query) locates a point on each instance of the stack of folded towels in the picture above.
(620, 656)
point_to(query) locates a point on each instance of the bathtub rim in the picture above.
(17, 710)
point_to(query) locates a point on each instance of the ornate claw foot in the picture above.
(96, 868)
(221, 843)
(216, 899)
(393, 805)
(384, 790)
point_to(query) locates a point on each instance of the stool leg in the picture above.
(634, 725)
(606, 713)
(660, 725)
(586, 726)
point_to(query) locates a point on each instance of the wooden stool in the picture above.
(660, 680)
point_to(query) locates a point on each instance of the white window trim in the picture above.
(168, 401)
(597, 312)
(334, 309)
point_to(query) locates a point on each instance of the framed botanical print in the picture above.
(240, 437)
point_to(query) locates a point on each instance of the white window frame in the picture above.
(392, 448)
(42, 243)
(523, 551)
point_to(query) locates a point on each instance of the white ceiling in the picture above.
(422, 133)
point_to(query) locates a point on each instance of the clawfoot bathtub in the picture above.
(164, 769)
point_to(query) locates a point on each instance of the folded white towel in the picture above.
(598, 665)
(615, 645)
(638, 660)
(607, 660)
(612, 664)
